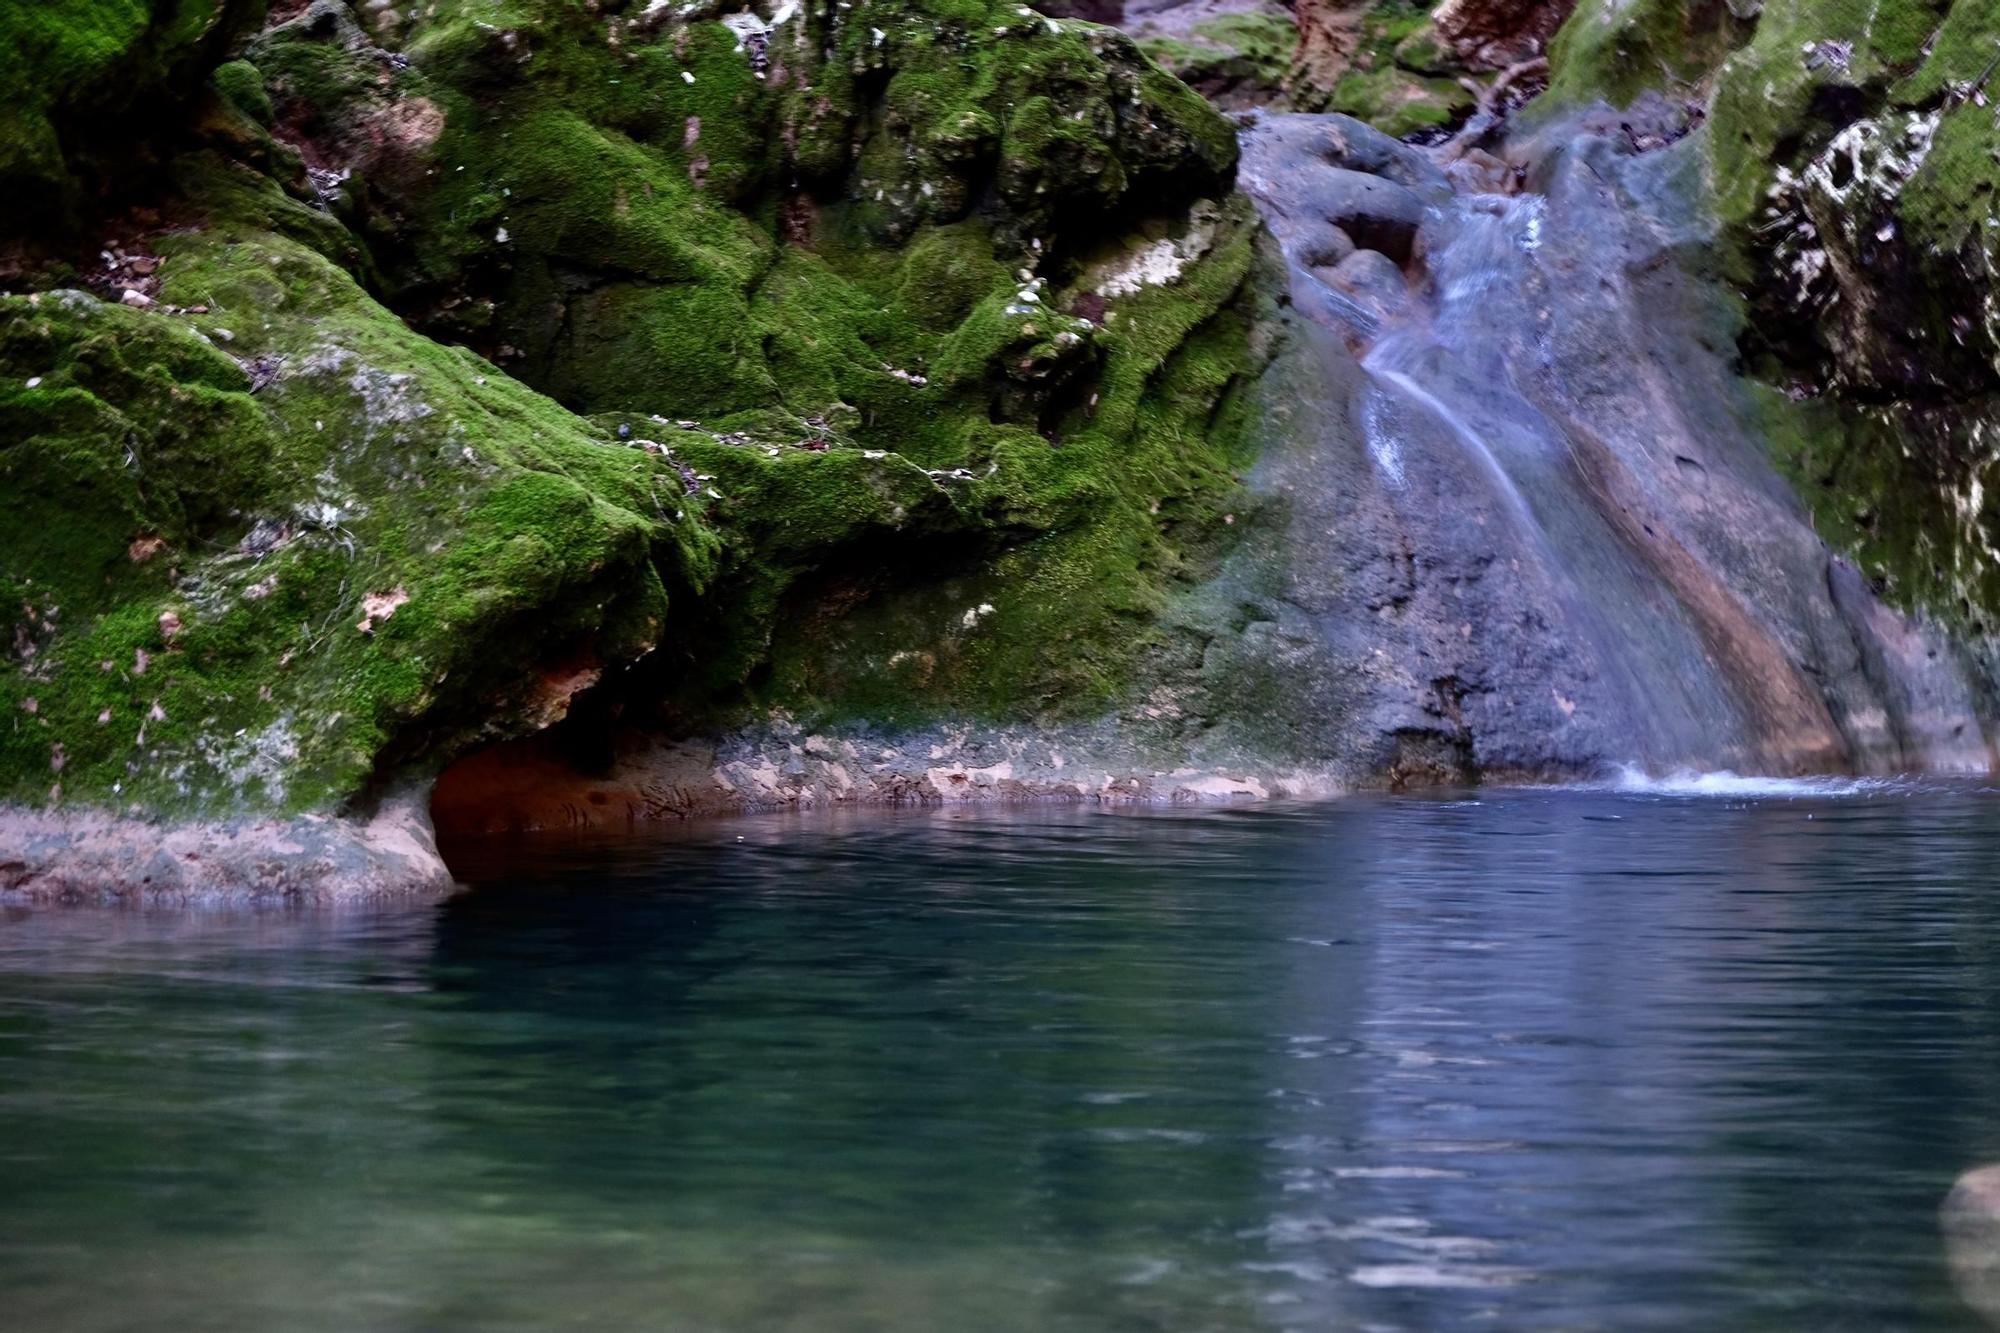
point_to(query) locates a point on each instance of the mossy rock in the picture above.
(743, 310)
(298, 537)
(77, 79)
(1399, 103)
(1399, 77)
(1242, 57)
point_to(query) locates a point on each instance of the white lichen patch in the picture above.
(1819, 214)
(256, 762)
(1155, 262)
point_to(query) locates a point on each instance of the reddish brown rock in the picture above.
(1493, 34)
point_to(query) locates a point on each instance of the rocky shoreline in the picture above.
(94, 859)
(331, 862)
(610, 414)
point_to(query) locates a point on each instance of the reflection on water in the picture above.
(1580, 1060)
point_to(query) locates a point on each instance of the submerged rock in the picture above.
(1971, 1223)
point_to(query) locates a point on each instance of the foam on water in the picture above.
(1741, 786)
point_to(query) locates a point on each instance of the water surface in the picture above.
(1701, 1056)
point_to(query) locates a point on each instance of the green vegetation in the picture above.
(501, 345)
(73, 73)
(1398, 79)
(1251, 50)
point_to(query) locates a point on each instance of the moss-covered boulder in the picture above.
(1416, 70)
(260, 535)
(483, 350)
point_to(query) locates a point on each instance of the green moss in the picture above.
(866, 275)
(242, 86)
(1777, 81)
(1397, 102)
(1397, 95)
(1765, 94)
(1959, 52)
(1613, 51)
(945, 272)
(1923, 538)
(75, 75)
(370, 463)
(1423, 53)
(1247, 49)
(1950, 201)
(1124, 509)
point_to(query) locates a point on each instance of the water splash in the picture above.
(1746, 786)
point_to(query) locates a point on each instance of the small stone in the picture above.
(170, 625)
(34, 381)
(31, 705)
(137, 299)
(687, 76)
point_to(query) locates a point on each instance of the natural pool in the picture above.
(1699, 1059)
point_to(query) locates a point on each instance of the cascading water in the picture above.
(1593, 563)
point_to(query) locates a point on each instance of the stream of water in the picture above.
(1693, 1054)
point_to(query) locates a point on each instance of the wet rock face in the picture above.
(1555, 542)
(1852, 167)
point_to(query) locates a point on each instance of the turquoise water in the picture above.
(1686, 1059)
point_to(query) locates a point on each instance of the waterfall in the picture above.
(1601, 569)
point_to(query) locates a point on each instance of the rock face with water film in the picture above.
(544, 414)
(1555, 540)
